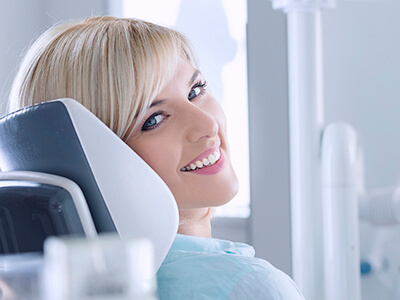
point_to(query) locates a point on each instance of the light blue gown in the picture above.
(202, 268)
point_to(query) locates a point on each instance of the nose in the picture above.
(201, 124)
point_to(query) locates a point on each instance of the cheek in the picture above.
(149, 155)
(158, 154)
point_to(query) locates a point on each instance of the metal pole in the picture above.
(306, 121)
(304, 31)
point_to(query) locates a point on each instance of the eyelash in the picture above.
(202, 86)
(199, 84)
(156, 114)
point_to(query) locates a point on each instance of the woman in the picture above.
(141, 80)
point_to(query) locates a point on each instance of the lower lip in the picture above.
(211, 170)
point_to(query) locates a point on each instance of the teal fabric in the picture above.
(203, 268)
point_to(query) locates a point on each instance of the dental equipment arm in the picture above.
(381, 206)
(340, 213)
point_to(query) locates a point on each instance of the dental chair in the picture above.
(65, 173)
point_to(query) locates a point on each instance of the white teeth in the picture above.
(217, 154)
(206, 161)
(212, 159)
(199, 164)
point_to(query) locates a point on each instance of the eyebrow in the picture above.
(157, 102)
(195, 74)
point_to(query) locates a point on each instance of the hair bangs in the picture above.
(156, 69)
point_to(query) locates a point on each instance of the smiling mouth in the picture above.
(204, 162)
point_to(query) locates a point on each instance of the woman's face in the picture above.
(183, 138)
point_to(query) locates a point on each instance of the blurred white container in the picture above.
(19, 276)
(99, 269)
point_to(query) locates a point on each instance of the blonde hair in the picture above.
(115, 67)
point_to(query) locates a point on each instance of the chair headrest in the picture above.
(123, 193)
(35, 206)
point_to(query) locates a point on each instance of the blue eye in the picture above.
(198, 89)
(154, 121)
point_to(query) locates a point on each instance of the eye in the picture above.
(198, 89)
(154, 121)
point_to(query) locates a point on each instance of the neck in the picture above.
(195, 222)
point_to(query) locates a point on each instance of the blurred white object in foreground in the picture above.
(97, 269)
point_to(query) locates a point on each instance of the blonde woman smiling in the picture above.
(142, 81)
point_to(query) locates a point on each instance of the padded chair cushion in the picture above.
(123, 193)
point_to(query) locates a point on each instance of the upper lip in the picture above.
(205, 154)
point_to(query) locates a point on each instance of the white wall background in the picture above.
(362, 80)
(269, 140)
(23, 20)
(362, 86)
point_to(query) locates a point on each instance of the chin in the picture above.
(210, 198)
(209, 193)
(223, 192)
(221, 196)
(224, 198)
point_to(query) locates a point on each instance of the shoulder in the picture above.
(264, 282)
(222, 271)
(189, 274)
